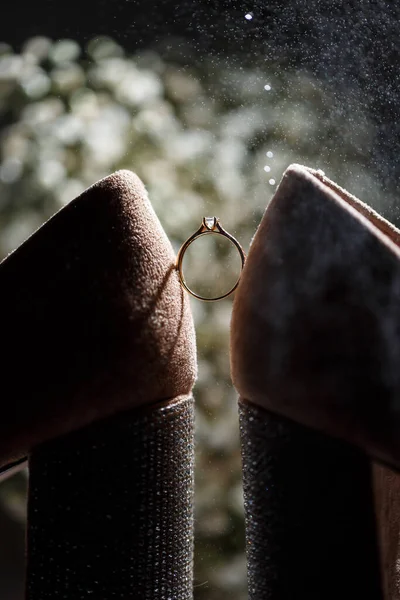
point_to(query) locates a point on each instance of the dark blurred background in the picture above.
(208, 102)
(352, 45)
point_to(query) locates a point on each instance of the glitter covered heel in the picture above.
(309, 509)
(110, 508)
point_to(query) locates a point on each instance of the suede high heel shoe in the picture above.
(315, 358)
(98, 363)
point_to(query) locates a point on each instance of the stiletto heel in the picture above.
(99, 365)
(315, 356)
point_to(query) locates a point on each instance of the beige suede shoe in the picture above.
(315, 358)
(97, 367)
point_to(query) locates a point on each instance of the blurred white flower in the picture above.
(157, 121)
(36, 84)
(36, 49)
(16, 143)
(68, 129)
(103, 47)
(188, 145)
(43, 112)
(10, 67)
(244, 122)
(84, 103)
(10, 169)
(138, 87)
(64, 51)
(108, 72)
(106, 136)
(50, 173)
(68, 77)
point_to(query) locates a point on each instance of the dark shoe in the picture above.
(98, 363)
(315, 358)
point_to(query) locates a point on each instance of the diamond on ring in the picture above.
(210, 222)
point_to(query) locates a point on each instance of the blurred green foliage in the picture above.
(211, 139)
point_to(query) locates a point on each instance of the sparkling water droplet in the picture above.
(267, 169)
(270, 154)
(272, 182)
(267, 87)
(248, 16)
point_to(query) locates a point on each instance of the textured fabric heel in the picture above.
(310, 524)
(110, 508)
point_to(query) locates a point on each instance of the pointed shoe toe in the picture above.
(93, 318)
(316, 318)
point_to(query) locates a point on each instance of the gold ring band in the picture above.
(209, 225)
